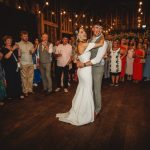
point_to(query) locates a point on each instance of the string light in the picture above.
(83, 16)
(53, 13)
(64, 12)
(46, 3)
(70, 20)
(39, 12)
(140, 3)
(19, 7)
(76, 16)
(76, 23)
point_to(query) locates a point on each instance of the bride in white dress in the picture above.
(82, 110)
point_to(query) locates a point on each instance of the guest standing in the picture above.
(115, 63)
(45, 51)
(123, 52)
(26, 49)
(37, 75)
(107, 58)
(138, 63)
(63, 54)
(11, 66)
(147, 65)
(130, 60)
(2, 83)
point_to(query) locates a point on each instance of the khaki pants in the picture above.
(46, 76)
(27, 72)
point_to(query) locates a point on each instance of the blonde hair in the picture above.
(82, 36)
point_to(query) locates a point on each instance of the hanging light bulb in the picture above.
(39, 12)
(76, 16)
(83, 16)
(46, 3)
(140, 3)
(139, 10)
(64, 12)
(70, 20)
(19, 7)
(53, 13)
(76, 23)
(91, 20)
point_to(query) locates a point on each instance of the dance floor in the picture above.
(124, 122)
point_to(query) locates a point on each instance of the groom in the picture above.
(97, 64)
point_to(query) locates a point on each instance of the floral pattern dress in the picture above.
(115, 61)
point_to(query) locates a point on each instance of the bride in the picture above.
(82, 110)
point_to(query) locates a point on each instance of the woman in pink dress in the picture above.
(138, 63)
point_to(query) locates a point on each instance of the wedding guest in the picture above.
(107, 58)
(123, 52)
(2, 83)
(11, 66)
(26, 49)
(130, 60)
(45, 51)
(138, 63)
(54, 62)
(37, 75)
(63, 54)
(147, 65)
(115, 63)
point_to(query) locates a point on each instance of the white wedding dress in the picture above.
(82, 111)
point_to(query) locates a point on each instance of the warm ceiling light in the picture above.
(53, 13)
(46, 3)
(139, 10)
(76, 15)
(70, 20)
(76, 23)
(100, 20)
(83, 16)
(91, 20)
(140, 3)
(39, 12)
(64, 12)
(19, 7)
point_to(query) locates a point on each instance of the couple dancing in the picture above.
(87, 100)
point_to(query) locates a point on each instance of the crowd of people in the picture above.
(24, 65)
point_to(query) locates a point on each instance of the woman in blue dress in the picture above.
(147, 66)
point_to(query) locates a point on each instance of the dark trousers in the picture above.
(59, 71)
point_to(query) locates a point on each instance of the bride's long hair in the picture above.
(82, 35)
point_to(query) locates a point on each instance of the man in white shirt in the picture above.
(45, 51)
(26, 49)
(63, 54)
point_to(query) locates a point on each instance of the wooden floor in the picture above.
(124, 123)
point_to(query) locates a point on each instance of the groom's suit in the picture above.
(97, 55)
